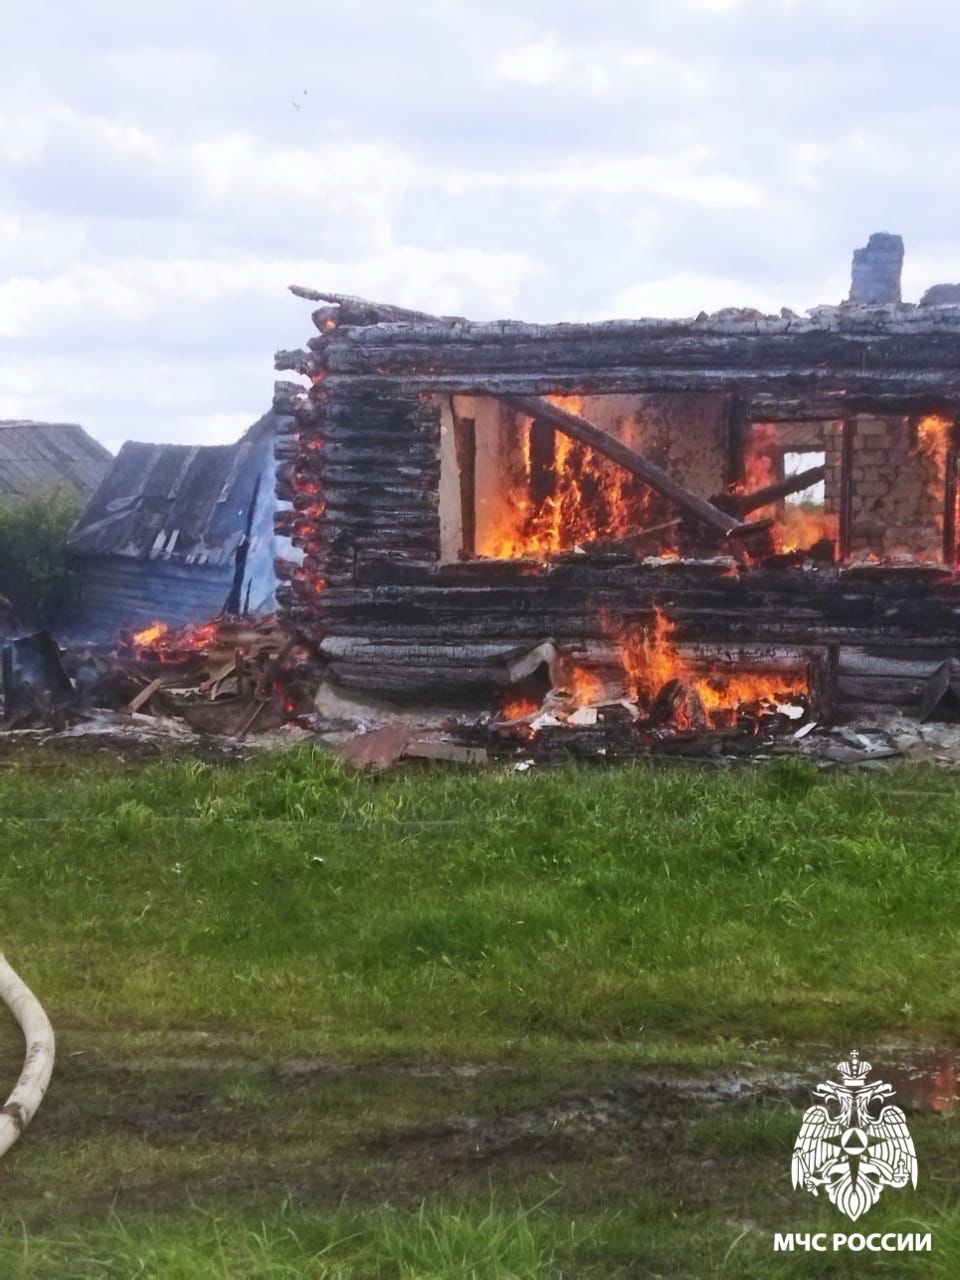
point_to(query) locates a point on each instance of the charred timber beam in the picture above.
(744, 503)
(587, 433)
(358, 311)
(733, 425)
(413, 348)
(800, 390)
(874, 322)
(754, 527)
(872, 328)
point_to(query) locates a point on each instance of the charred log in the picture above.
(744, 503)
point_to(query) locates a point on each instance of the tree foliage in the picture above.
(33, 551)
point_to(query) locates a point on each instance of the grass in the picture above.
(486, 912)
(315, 1023)
(449, 1243)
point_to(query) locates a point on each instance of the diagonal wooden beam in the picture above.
(743, 503)
(587, 433)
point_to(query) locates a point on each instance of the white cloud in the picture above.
(220, 428)
(139, 291)
(715, 6)
(620, 70)
(158, 189)
(691, 175)
(687, 293)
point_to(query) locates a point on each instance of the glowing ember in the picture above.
(163, 639)
(150, 635)
(517, 708)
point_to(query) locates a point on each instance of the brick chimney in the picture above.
(875, 276)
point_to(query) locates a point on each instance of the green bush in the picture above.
(33, 551)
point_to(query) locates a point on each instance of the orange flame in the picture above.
(933, 441)
(592, 499)
(758, 466)
(585, 685)
(163, 639)
(651, 659)
(802, 527)
(150, 635)
(515, 708)
(798, 525)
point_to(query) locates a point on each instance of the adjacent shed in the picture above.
(178, 533)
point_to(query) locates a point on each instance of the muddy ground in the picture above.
(217, 1129)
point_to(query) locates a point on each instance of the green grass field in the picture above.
(317, 1023)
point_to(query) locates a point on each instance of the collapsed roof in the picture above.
(178, 532)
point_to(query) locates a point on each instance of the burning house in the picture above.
(694, 520)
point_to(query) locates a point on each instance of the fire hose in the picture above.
(28, 1092)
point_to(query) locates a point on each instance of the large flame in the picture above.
(798, 524)
(802, 526)
(934, 440)
(651, 659)
(592, 499)
(759, 468)
(585, 685)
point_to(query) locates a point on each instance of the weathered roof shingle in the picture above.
(38, 456)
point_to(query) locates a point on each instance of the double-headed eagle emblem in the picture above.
(851, 1145)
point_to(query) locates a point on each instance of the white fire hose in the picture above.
(37, 1065)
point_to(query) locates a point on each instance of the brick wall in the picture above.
(898, 492)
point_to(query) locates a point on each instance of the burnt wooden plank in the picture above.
(744, 503)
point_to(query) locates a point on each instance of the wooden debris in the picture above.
(145, 694)
(229, 677)
(939, 693)
(427, 750)
(379, 747)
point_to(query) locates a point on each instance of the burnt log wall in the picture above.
(361, 479)
(360, 475)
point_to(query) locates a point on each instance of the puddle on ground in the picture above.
(928, 1084)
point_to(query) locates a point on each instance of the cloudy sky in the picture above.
(166, 170)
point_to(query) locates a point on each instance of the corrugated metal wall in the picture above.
(113, 591)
